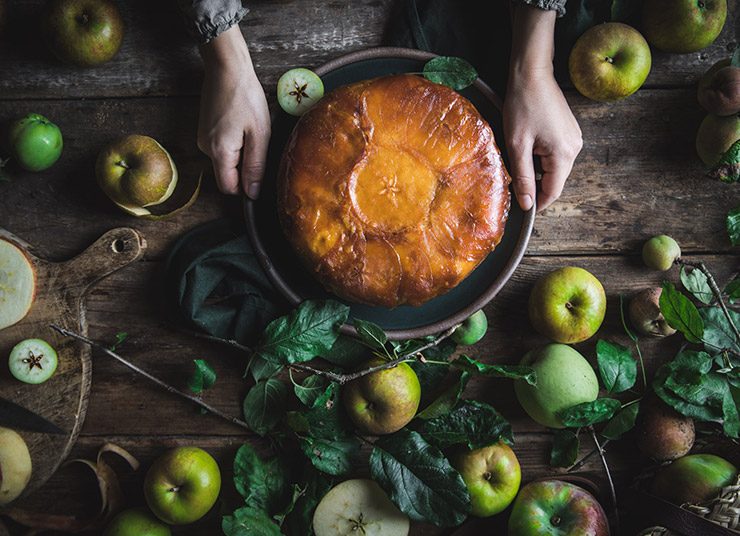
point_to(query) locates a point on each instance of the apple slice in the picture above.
(15, 465)
(17, 284)
(358, 506)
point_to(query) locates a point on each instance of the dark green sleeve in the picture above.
(208, 18)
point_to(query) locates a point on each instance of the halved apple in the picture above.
(15, 465)
(17, 284)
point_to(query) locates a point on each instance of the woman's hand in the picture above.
(234, 124)
(537, 118)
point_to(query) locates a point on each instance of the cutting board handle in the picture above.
(109, 253)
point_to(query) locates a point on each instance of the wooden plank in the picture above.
(636, 176)
(158, 58)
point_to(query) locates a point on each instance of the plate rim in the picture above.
(450, 321)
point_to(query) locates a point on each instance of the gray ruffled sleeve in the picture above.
(549, 5)
(208, 18)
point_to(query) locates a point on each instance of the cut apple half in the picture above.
(17, 284)
(358, 506)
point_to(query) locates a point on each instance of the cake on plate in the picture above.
(393, 190)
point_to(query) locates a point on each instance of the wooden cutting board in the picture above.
(61, 288)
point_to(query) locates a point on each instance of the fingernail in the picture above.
(254, 190)
(525, 201)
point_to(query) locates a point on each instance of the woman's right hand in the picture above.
(234, 124)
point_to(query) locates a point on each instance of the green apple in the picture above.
(663, 433)
(567, 305)
(683, 26)
(492, 475)
(385, 401)
(136, 172)
(472, 330)
(660, 252)
(556, 508)
(715, 136)
(15, 465)
(719, 89)
(693, 479)
(136, 522)
(182, 485)
(609, 62)
(564, 379)
(36, 142)
(83, 32)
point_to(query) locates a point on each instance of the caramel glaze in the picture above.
(393, 190)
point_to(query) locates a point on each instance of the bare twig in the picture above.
(228, 342)
(580, 463)
(154, 379)
(612, 491)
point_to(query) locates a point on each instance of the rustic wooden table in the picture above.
(637, 176)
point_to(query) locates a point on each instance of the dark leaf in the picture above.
(371, 334)
(736, 57)
(622, 422)
(733, 226)
(696, 282)
(315, 485)
(263, 484)
(335, 457)
(622, 10)
(617, 368)
(564, 448)
(261, 369)
(203, 376)
(513, 372)
(471, 423)
(265, 405)
(419, 479)
(447, 400)
(680, 313)
(315, 391)
(727, 169)
(295, 496)
(323, 421)
(430, 376)
(588, 413)
(731, 419)
(307, 332)
(718, 334)
(733, 377)
(451, 72)
(347, 352)
(733, 290)
(249, 521)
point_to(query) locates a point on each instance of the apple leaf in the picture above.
(617, 368)
(346, 352)
(450, 71)
(322, 421)
(514, 372)
(335, 457)
(588, 413)
(315, 391)
(444, 403)
(733, 377)
(305, 333)
(249, 521)
(371, 335)
(733, 226)
(263, 484)
(419, 479)
(121, 336)
(696, 282)
(430, 376)
(295, 496)
(565, 446)
(472, 423)
(733, 290)
(622, 422)
(718, 334)
(265, 405)
(680, 313)
(314, 486)
(203, 376)
(727, 169)
(736, 57)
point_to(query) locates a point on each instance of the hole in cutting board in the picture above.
(118, 245)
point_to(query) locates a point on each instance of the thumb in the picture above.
(254, 157)
(522, 173)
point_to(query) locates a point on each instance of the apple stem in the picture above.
(154, 379)
(612, 490)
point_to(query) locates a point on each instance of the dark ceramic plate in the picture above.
(287, 273)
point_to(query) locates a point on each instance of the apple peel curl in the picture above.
(111, 498)
(147, 214)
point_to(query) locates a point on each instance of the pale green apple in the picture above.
(564, 379)
(136, 522)
(472, 330)
(683, 26)
(609, 62)
(693, 479)
(15, 465)
(385, 401)
(182, 485)
(567, 305)
(492, 475)
(660, 252)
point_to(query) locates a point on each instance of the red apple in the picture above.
(719, 89)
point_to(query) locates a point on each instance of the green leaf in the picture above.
(588, 413)
(622, 10)
(371, 335)
(617, 368)
(336, 457)
(718, 334)
(450, 71)
(249, 521)
(733, 226)
(696, 282)
(622, 422)
(733, 290)
(430, 376)
(323, 421)
(472, 423)
(419, 479)
(733, 377)
(736, 57)
(307, 332)
(315, 485)
(727, 169)
(315, 391)
(265, 405)
(346, 352)
(514, 372)
(565, 446)
(203, 377)
(447, 400)
(263, 484)
(680, 313)
(295, 496)
(261, 369)
(121, 336)
(731, 419)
